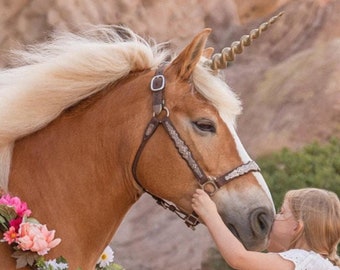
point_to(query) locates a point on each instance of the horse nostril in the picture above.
(261, 221)
(233, 230)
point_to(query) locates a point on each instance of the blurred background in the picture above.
(288, 81)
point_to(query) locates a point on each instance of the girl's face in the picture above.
(284, 229)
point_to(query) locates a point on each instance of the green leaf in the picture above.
(114, 266)
(31, 220)
(24, 258)
(7, 212)
(3, 224)
(61, 259)
(40, 263)
(118, 267)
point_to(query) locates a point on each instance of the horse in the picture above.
(89, 122)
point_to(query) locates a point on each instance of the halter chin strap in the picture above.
(208, 184)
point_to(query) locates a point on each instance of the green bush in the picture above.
(316, 165)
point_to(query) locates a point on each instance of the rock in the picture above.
(251, 10)
(293, 100)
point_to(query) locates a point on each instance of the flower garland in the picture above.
(32, 240)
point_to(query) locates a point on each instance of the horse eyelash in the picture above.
(210, 126)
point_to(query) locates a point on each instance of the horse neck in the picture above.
(75, 174)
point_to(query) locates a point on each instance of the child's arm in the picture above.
(229, 246)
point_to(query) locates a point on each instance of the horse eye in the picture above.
(205, 125)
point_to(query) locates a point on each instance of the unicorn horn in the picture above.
(220, 60)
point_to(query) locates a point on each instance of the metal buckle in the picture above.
(210, 183)
(157, 83)
(192, 221)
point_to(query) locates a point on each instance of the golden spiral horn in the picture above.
(220, 60)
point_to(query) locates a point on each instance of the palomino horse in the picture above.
(74, 143)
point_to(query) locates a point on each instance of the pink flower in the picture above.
(19, 206)
(15, 223)
(10, 236)
(36, 238)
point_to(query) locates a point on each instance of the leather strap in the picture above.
(184, 151)
(157, 85)
(251, 166)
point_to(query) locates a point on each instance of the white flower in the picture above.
(57, 266)
(106, 258)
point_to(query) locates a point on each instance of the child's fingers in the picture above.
(200, 191)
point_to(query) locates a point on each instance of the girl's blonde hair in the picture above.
(319, 210)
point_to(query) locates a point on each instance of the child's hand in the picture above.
(203, 205)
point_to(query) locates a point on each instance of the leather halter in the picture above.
(207, 183)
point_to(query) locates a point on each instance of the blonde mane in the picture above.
(52, 76)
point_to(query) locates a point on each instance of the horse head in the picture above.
(197, 112)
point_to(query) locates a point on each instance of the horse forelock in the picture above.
(49, 77)
(214, 89)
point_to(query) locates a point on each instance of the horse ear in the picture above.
(186, 61)
(208, 52)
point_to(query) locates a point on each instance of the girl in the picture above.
(304, 236)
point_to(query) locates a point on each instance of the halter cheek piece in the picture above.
(208, 184)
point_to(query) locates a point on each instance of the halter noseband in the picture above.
(207, 183)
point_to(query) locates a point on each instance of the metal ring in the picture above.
(157, 79)
(210, 183)
(165, 109)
